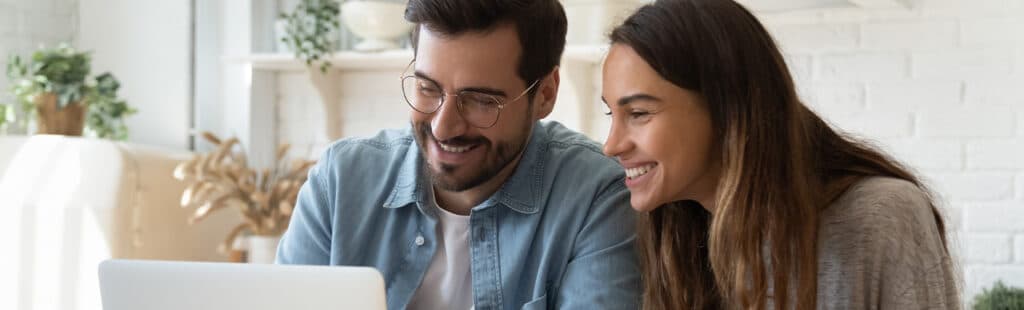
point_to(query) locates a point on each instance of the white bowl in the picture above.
(378, 24)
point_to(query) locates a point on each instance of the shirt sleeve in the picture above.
(308, 238)
(604, 270)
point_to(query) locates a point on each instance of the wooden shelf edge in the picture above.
(345, 61)
(382, 61)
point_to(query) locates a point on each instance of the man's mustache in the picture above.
(427, 131)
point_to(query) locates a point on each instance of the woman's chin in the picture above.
(641, 204)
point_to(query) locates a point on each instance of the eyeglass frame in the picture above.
(458, 102)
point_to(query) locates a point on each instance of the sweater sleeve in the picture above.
(885, 251)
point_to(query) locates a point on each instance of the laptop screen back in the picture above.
(157, 285)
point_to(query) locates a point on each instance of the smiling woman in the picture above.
(663, 136)
(749, 199)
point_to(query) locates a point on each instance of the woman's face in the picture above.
(660, 133)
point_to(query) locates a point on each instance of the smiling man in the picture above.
(478, 203)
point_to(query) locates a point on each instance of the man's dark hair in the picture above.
(541, 26)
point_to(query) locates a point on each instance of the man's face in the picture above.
(460, 156)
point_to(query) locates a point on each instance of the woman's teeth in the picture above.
(454, 149)
(638, 171)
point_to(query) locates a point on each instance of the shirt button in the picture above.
(419, 240)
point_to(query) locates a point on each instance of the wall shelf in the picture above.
(346, 61)
(380, 61)
(579, 64)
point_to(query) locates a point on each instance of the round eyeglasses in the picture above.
(478, 109)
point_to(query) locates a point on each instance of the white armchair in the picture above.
(69, 203)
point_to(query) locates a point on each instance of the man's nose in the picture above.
(447, 122)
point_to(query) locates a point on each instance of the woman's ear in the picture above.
(547, 92)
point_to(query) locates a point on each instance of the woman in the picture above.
(745, 192)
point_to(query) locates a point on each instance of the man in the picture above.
(479, 203)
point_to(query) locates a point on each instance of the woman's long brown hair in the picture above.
(781, 165)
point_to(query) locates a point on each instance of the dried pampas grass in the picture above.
(222, 179)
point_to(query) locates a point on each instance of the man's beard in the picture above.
(496, 158)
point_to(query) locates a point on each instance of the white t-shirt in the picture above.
(448, 283)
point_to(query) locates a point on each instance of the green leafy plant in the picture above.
(107, 112)
(312, 31)
(64, 72)
(4, 111)
(1000, 297)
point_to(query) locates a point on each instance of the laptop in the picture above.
(158, 285)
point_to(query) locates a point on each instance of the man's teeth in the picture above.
(454, 149)
(638, 171)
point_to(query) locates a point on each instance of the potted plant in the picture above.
(54, 87)
(312, 31)
(1000, 297)
(222, 179)
(106, 111)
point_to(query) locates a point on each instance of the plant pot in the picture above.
(378, 24)
(67, 121)
(263, 249)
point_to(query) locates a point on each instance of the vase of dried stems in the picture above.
(263, 249)
(222, 179)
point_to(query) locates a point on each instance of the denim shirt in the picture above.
(558, 234)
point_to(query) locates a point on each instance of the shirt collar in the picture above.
(521, 191)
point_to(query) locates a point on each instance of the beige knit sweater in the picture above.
(879, 248)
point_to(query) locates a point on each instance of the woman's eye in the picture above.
(638, 114)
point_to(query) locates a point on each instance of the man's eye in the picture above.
(479, 100)
(429, 91)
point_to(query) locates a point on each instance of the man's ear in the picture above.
(546, 95)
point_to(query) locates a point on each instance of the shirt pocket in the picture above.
(538, 303)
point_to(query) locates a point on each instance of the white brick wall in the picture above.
(953, 72)
(970, 186)
(25, 25)
(370, 101)
(984, 275)
(1003, 154)
(799, 37)
(990, 31)
(834, 98)
(996, 217)
(1020, 187)
(862, 66)
(967, 63)
(934, 155)
(1019, 60)
(957, 67)
(995, 92)
(956, 122)
(914, 95)
(940, 86)
(300, 115)
(907, 35)
(989, 248)
(1018, 245)
(876, 124)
